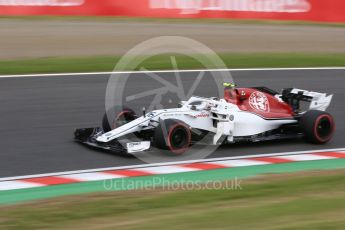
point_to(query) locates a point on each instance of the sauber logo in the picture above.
(41, 2)
(259, 101)
(195, 6)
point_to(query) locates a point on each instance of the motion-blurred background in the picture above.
(34, 29)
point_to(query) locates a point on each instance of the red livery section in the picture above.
(307, 10)
(260, 103)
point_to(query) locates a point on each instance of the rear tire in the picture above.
(317, 126)
(117, 117)
(173, 135)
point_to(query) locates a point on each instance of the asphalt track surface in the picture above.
(39, 115)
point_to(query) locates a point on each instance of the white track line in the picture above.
(168, 71)
(143, 166)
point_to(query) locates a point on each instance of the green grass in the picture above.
(107, 63)
(293, 201)
(177, 20)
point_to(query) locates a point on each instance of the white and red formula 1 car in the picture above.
(244, 114)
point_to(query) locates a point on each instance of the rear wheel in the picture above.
(317, 126)
(117, 117)
(173, 135)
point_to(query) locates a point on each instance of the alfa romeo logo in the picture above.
(259, 101)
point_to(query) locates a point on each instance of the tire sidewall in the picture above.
(309, 124)
(162, 138)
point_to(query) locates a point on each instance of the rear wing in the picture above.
(318, 101)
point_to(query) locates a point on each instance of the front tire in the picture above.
(117, 117)
(173, 135)
(317, 126)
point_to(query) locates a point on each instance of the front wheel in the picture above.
(117, 117)
(172, 135)
(317, 126)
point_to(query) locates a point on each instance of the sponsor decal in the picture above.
(195, 6)
(133, 147)
(133, 144)
(41, 2)
(232, 117)
(202, 115)
(172, 114)
(259, 101)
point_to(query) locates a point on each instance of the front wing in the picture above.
(88, 137)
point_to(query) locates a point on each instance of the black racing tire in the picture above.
(317, 126)
(173, 135)
(111, 118)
